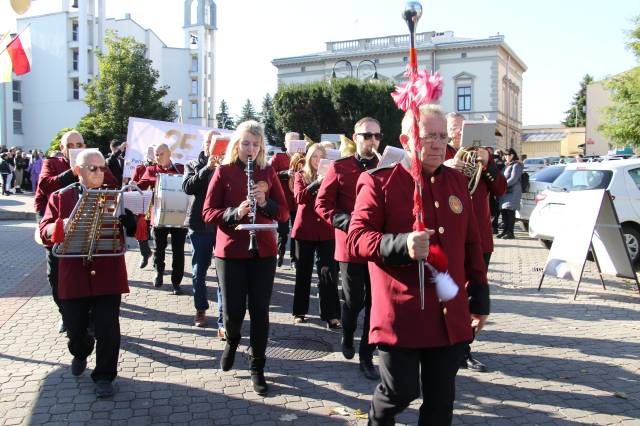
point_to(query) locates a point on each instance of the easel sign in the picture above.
(589, 224)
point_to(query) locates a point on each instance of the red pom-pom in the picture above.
(58, 232)
(437, 258)
(141, 229)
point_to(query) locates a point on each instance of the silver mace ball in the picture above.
(411, 14)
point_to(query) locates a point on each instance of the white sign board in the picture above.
(479, 133)
(184, 141)
(332, 154)
(588, 220)
(296, 146)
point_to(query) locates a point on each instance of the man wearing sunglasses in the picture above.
(57, 173)
(335, 201)
(90, 290)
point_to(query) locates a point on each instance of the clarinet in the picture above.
(253, 239)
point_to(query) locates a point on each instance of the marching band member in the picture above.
(314, 237)
(196, 180)
(57, 173)
(86, 287)
(160, 234)
(280, 163)
(245, 277)
(143, 245)
(492, 184)
(419, 349)
(334, 203)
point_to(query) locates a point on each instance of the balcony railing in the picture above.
(377, 43)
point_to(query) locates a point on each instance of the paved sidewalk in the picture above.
(552, 360)
(17, 207)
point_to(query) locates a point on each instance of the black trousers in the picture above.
(509, 220)
(404, 372)
(487, 259)
(106, 315)
(178, 237)
(283, 236)
(52, 276)
(327, 278)
(245, 281)
(356, 293)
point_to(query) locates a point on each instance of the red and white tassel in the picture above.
(437, 261)
(57, 236)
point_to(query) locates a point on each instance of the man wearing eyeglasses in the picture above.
(492, 184)
(57, 173)
(334, 203)
(419, 350)
(90, 288)
(148, 180)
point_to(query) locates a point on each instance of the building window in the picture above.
(75, 4)
(405, 59)
(194, 87)
(75, 60)
(303, 68)
(17, 121)
(74, 31)
(194, 110)
(463, 55)
(76, 89)
(17, 91)
(194, 63)
(464, 98)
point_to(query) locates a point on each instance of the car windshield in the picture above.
(581, 180)
(548, 174)
(532, 161)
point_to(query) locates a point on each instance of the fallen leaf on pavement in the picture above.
(621, 395)
(288, 417)
(359, 414)
(340, 411)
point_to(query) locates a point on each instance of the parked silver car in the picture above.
(538, 182)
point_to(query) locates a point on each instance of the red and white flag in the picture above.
(20, 52)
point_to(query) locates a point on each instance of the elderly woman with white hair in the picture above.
(89, 288)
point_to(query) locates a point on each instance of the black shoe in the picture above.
(259, 383)
(104, 389)
(280, 260)
(158, 280)
(473, 364)
(501, 235)
(228, 356)
(18, 191)
(78, 365)
(144, 262)
(509, 236)
(177, 290)
(369, 371)
(348, 351)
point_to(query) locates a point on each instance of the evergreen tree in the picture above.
(127, 87)
(268, 121)
(248, 113)
(578, 105)
(223, 119)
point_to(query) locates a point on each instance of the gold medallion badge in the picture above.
(455, 204)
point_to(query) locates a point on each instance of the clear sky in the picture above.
(560, 41)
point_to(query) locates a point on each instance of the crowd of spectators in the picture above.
(19, 170)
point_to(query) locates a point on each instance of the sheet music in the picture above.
(323, 166)
(391, 156)
(136, 202)
(333, 154)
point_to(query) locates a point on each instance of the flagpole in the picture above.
(14, 39)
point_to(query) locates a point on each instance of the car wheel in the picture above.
(632, 239)
(546, 244)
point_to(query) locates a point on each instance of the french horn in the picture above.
(347, 146)
(472, 168)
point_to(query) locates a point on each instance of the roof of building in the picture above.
(543, 136)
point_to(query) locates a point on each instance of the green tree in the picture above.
(268, 121)
(55, 143)
(127, 87)
(623, 117)
(578, 105)
(248, 113)
(223, 119)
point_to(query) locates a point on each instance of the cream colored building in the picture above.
(597, 100)
(552, 141)
(483, 77)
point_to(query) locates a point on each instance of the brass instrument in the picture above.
(297, 163)
(375, 151)
(93, 228)
(347, 146)
(472, 168)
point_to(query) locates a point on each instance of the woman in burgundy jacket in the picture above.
(245, 275)
(315, 237)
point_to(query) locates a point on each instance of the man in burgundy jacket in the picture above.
(334, 203)
(419, 349)
(492, 184)
(57, 173)
(280, 163)
(160, 234)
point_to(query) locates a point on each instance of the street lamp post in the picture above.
(347, 64)
(375, 69)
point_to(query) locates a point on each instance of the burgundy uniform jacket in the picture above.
(309, 226)
(280, 163)
(102, 276)
(56, 173)
(492, 183)
(380, 224)
(227, 189)
(150, 175)
(336, 198)
(138, 172)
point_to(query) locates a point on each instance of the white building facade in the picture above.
(37, 105)
(482, 77)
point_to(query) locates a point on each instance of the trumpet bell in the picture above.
(347, 146)
(472, 167)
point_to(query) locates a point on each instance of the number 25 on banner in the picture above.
(180, 142)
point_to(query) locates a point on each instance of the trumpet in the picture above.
(375, 151)
(472, 168)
